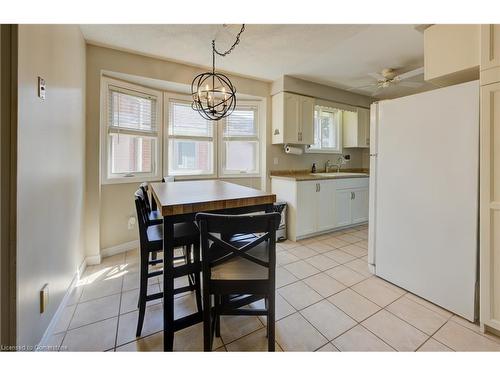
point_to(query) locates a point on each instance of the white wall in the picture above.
(51, 171)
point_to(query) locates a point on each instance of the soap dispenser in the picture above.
(313, 169)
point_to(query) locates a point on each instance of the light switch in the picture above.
(41, 88)
(276, 161)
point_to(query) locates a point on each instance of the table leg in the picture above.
(168, 284)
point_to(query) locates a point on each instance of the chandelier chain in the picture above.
(236, 42)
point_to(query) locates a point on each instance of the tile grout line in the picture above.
(119, 312)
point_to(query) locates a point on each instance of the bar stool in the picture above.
(238, 273)
(186, 235)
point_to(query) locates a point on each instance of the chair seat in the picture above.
(240, 268)
(184, 233)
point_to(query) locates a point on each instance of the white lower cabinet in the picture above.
(306, 205)
(343, 207)
(359, 205)
(322, 205)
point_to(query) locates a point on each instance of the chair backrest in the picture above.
(218, 229)
(144, 187)
(142, 214)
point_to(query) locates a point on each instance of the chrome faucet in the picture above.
(329, 164)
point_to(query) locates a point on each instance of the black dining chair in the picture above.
(237, 273)
(154, 216)
(186, 236)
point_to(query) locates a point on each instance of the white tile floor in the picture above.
(327, 300)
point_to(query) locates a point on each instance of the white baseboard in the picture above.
(93, 260)
(118, 249)
(50, 328)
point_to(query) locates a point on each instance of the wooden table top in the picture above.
(184, 197)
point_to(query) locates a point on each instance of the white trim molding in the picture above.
(118, 249)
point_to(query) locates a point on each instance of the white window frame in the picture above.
(168, 97)
(329, 150)
(247, 104)
(116, 178)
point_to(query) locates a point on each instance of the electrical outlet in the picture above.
(275, 161)
(41, 88)
(44, 298)
(131, 223)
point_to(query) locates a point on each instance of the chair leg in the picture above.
(197, 278)
(143, 291)
(207, 324)
(266, 306)
(218, 303)
(271, 322)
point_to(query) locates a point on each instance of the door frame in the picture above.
(8, 179)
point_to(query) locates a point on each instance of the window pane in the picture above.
(131, 154)
(241, 123)
(241, 156)
(190, 157)
(326, 125)
(185, 121)
(132, 112)
(328, 129)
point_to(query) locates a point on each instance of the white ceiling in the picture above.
(335, 55)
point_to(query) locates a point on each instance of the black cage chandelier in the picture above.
(214, 96)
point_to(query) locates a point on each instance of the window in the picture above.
(327, 130)
(132, 133)
(240, 142)
(190, 141)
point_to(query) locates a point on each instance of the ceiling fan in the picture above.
(388, 78)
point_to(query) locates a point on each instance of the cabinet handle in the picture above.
(319, 187)
(316, 188)
(353, 195)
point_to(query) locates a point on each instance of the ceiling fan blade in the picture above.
(377, 76)
(411, 73)
(362, 87)
(377, 91)
(410, 84)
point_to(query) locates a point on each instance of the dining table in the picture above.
(179, 202)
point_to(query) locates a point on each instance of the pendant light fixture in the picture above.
(214, 96)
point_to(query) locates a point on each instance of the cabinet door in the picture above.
(363, 127)
(359, 205)
(291, 118)
(490, 206)
(306, 207)
(490, 46)
(325, 218)
(306, 125)
(342, 207)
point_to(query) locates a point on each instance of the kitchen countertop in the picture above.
(305, 175)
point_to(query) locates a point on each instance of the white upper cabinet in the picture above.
(490, 48)
(451, 53)
(293, 118)
(490, 54)
(356, 128)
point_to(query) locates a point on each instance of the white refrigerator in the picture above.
(424, 176)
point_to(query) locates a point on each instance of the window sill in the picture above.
(129, 180)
